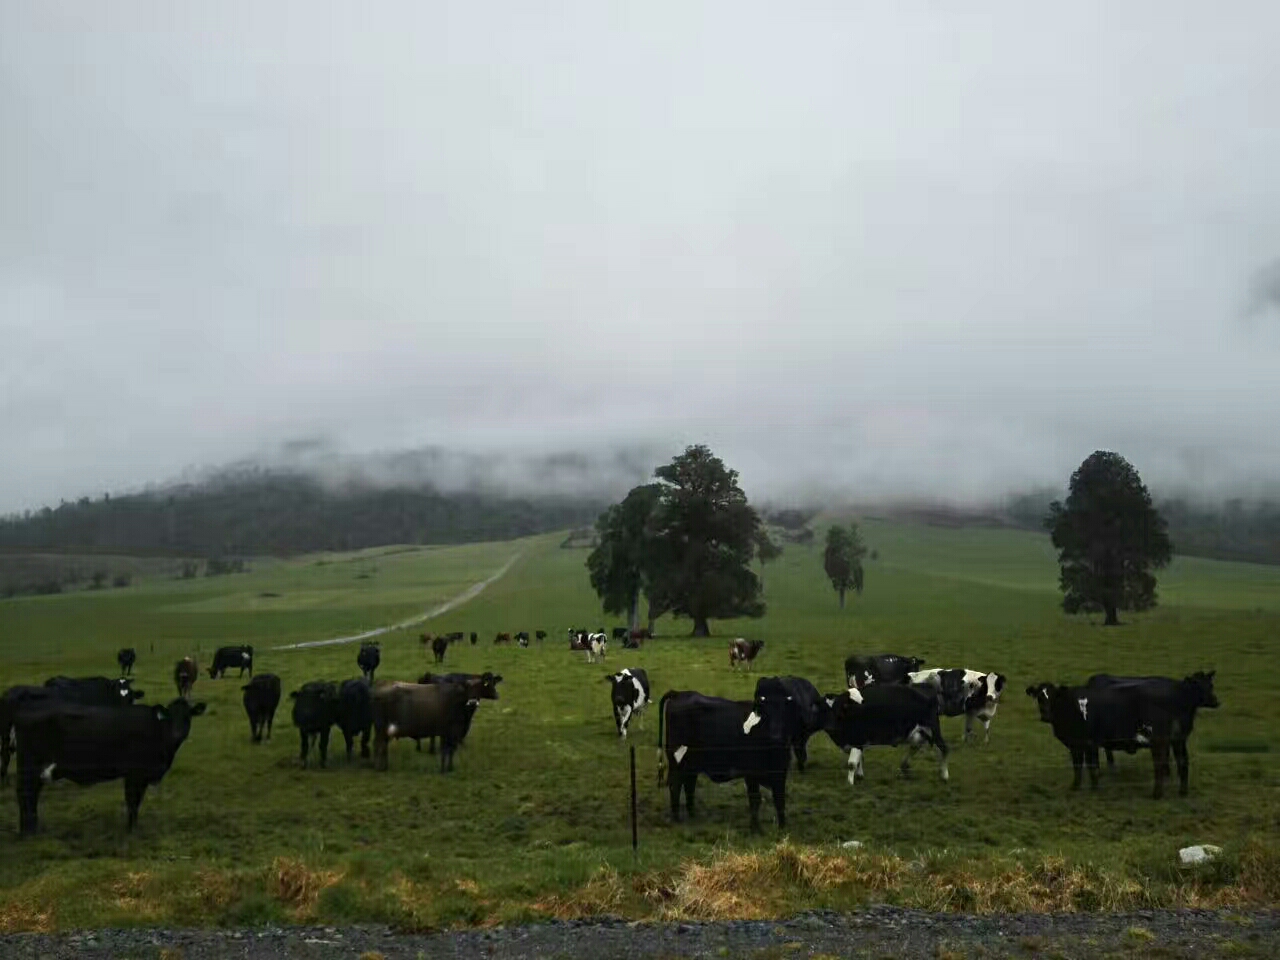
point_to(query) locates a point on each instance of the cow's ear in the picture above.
(1000, 679)
(198, 709)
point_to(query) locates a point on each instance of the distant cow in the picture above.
(439, 646)
(726, 740)
(368, 658)
(87, 745)
(620, 633)
(479, 686)
(540, 635)
(232, 658)
(315, 710)
(744, 652)
(806, 707)
(126, 658)
(880, 668)
(884, 714)
(969, 692)
(1178, 700)
(578, 639)
(261, 698)
(415, 711)
(597, 647)
(475, 638)
(355, 714)
(185, 673)
(629, 695)
(455, 637)
(502, 638)
(522, 638)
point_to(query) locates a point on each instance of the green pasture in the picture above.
(535, 817)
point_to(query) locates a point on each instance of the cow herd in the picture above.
(91, 730)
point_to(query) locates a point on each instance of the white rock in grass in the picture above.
(852, 844)
(1200, 853)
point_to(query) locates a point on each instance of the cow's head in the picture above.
(986, 692)
(773, 710)
(175, 721)
(1200, 686)
(916, 663)
(484, 687)
(1043, 694)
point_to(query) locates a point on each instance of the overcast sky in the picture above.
(909, 247)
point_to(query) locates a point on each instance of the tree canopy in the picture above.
(617, 564)
(1109, 538)
(842, 559)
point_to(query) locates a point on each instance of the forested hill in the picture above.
(277, 514)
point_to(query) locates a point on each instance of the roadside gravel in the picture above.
(878, 932)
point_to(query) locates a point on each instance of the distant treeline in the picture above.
(1234, 530)
(264, 513)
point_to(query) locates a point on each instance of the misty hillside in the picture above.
(263, 512)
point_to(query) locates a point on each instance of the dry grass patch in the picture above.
(292, 883)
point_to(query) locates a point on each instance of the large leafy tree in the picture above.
(703, 535)
(842, 559)
(1109, 538)
(617, 565)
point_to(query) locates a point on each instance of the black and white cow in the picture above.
(629, 696)
(261, 698)
(522, 638)
(88, 744)
(1086, 719)
(884, 714)
(232, 658)
(725, 740)
(369, 658)
(859, 671)
(808, 712)
(126, 658)
(597, 646)
(961, 691)
(1179, 698)
(743, 651)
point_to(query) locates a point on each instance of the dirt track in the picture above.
(875, 933)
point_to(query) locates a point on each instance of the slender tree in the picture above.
(1109, 538)
(842, 559)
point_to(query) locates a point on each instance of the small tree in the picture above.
(842, 559)
(1109, 537)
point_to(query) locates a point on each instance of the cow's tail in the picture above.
(662, 756)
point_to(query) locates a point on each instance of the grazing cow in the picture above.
(744, 652)
(368, 658)
(629, 695)
(231, 658)
(475, 638)
(597, 647)
(1178, 698)
(355, 714)
(620, 633)
(726, 740)
(414, 711)
(807, 709)
(540, 635)
(185, 673)
(315, 710)
(439, 646)
(502, 638)
(1085, 719)
(884, 714)
(261, 698)
(89, 744)
(126, 658)
(880, 668)
(969, 692)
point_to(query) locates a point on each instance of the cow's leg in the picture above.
(324, 747)
(29, 785)
(1111, 758)
(941, 746)
(1091, 755)
(6, 754)
(675, 783)
(753, 801)
(134, 791)
(253, 729)
(270, 719)
(1184, 765)
(1160, 760)
(986, 730)
(1077, 767)
(364, 744)
(855, 765)
(690, 783)
(801, 750)
(302, 754)
(968, 726)
(380, 751)
(349, 738)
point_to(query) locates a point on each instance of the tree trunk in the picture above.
(634, 619)
(700, 627)
(841, 598)
(1112, 620)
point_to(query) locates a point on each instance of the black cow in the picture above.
(232, 658)
(355, 714)
(879, 668)
(620, 633)
(884, 714)
(126, 657)
(455, 636)
(1086, 719)
(726, 740)
(629, 696)
(475, 638)
(1179, 698)
(185, 674)
(479, 686)
(87, 745)
(808, 712)
(315, 710)
(414, 711)
(261, 698)
(368, 658)
(439, 646)
(540, 635)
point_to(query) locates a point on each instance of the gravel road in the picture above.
(878, 932)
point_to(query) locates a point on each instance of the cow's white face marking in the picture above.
(47, 773)
(679, 753)
(752, 719)
(855, 694)
(1084, 707)
(392, 730)
(867, 678)
(639, 699)
(855, 765)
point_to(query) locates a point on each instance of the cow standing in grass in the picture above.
(315, 711)
(860, 671)
(629, 694)
(884, 714)
(961, 691)
(232, 658)
(126, 658)
(414, 711)
(439, 647)
(185, 673)
(597, 647)
(744, 652)
(368, 659)
(261, 698)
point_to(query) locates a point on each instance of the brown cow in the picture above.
(413, 711)
(184, 676)
(743, 651)
(502, 638)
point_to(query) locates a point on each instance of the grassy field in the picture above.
(534, 820)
